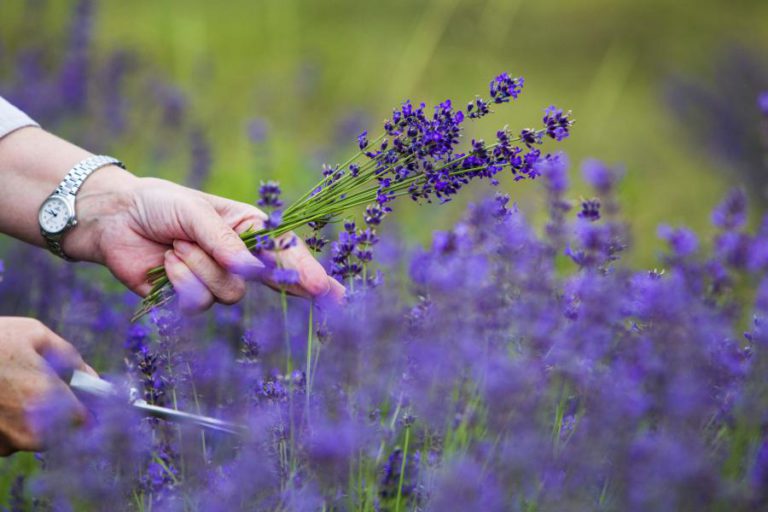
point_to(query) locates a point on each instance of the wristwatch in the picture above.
(58, 215)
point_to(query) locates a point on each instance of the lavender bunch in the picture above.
(418, 156)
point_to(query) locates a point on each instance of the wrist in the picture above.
(105, 195)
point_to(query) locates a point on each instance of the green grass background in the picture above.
(303, 65)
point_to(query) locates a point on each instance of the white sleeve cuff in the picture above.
(11, 118)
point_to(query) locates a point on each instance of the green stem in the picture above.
(402, 468)
(308, 372)
(289, 377)
(307, 195)
(199, 411)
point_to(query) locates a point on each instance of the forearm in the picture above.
(32, 164)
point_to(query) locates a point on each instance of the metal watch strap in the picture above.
(54, 245)
(78, 174)
(69, 186)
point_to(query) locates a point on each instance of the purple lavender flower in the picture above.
(590, 210)
(269, 195)
(557, 123)
(477, 108)
(362, 140)
(682, 241)
(73, 80)
(762, 102)
(504, 87)
(599, 176)
(723, 116)
(731, 214)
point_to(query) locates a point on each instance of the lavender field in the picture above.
(519, 360)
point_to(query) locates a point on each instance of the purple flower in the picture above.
(682, 241)
(762, 102)
(269, 195)
(504, 87)
(362, 140)
(557, 123)
(731, 213)
(599, 176)
(590, 210)
(477, 108)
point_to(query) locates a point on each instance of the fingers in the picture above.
(218, 239)
(337, 291)
(193, 295)
(226, 287)
(60, 355)
(313, 281)
(50, 405)
(37, 400)
(222, 249)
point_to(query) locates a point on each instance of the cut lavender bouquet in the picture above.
(416, 156)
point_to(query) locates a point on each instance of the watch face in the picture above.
(54, 215)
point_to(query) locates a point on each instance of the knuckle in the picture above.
(229, 239)
(36, 328)
(21, 438)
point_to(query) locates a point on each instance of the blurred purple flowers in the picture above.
(508, 380)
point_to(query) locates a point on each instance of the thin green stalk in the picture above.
(199, 411)
(165, 468)
(307, 194)
(138, 500)
(182, 462)
(392, 423)
(289, 377)
(402, 468)
(310, 348)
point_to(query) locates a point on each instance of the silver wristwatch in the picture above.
(57, 215)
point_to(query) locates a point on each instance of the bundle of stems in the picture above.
(415, 156)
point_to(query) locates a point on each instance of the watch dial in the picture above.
(54, 215)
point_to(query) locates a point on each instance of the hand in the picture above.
(133, 224)
(26, 379)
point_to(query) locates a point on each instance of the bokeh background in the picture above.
(225, 94)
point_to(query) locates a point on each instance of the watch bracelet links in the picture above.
(78, 174)
(70, 186)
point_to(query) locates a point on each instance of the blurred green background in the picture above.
(304, 68)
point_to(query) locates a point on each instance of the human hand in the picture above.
(27, 379)
(133, 224)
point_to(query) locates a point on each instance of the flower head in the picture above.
(269, 195)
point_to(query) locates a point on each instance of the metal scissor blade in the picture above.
(94, 386)
(174, 415)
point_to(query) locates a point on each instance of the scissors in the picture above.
(89, 385)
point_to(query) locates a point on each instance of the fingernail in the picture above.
(182, 246)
